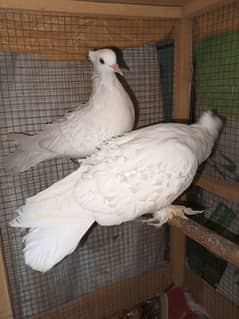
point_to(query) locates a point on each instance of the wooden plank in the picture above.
(5, 305)
(74, 43)
(225, 189)
(183, 69)
(217, 306)
(181, 111)
(94, 8)
(177, 255)
(107, 300)
(196, 7)
(147, 2)
(217, 244)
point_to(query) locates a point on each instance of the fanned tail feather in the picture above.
(56, 224)
(21, 160)
(46, 246)
(27, 155)
(18, 138)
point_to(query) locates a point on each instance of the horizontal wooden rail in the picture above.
(215, 303)
(95, 8)
(196, 7)
(225, 189)
(104, 301)
(215, 243)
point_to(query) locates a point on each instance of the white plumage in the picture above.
(142, 172)
(109, 112)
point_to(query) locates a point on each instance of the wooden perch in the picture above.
(217, 244)
(214, 242)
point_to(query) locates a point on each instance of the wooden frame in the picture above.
(190, 9)
(183, 70)
(196, 7)
(135, 289)
(212, 241)
(95, 8)
(181, 110)
(217, 306)
(179, 227)
(5, 303)
(227, 190)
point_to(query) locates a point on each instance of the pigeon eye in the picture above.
(102, 61)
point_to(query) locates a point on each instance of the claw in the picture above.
(145, 218)
(165, 214)
(189, 211)
(182, 211)
(156, 222)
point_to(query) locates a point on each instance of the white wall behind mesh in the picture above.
(35, 91)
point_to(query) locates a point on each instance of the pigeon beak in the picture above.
(116, 68)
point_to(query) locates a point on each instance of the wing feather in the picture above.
(130, 179)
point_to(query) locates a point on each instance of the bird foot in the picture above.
(145, 219)
(182, 211)
(149, 221)
(165, 214)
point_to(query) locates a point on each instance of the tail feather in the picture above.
(18, 138)
(46, 246)
(56, 224)
(21, 160)
(28, 153)
(211, 122)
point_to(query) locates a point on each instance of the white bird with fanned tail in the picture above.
(141, 172)
(108, 113)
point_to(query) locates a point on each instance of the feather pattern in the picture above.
(142, 172)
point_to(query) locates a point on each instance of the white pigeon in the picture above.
(108, 113)
(142, 172)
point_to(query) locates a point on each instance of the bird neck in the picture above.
(106, 79)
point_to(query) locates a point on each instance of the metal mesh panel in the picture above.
(216, 67)
(166, 59)
(35, 90)
(216, 78)
(221, 216)
(218, 293)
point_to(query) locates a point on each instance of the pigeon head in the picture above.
(104, 60)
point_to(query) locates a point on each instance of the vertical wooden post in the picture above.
(183, 69)
(181, 111)
(5, 304)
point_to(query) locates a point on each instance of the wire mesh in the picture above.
(221, 216)
(216, 78)
(216, 73)
(41, 79)
(209, 293)
(166, 59)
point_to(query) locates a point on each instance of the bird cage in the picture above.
(182, 58)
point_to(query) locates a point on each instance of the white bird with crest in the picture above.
(108, 113)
